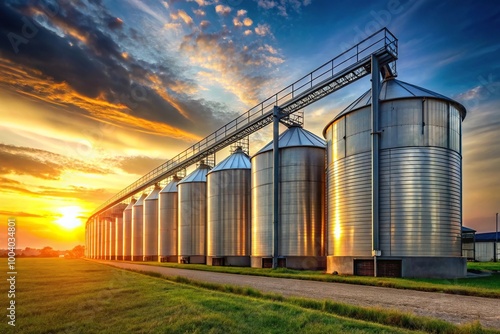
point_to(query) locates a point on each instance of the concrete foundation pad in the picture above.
(411, 267)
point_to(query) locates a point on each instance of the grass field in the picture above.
(76, 296)
(492, 266)
(479, 286)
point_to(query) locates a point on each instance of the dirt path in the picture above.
(453, 308)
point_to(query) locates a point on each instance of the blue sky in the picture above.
(96, 93)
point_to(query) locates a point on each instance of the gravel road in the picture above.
(453, 308)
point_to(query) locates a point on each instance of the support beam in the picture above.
(276, 179)
(375, 160)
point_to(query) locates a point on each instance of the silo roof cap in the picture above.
(140, 201)
(393, 89)
(237, 160)
(131, 204)
(153, 195)
(198, 175)
(171, 187)
(293, 137)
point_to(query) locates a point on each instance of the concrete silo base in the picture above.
(411, 267)
(169, 258)
(193, 259)
(291, 262)
(230, 261)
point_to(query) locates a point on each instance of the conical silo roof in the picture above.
(140, 201)
(293, 137)
(237, 160)
(392, 89)
(131, 204)
(171, 187)
(154, 194)
(198, 175)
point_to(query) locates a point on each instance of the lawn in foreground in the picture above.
(76, 296)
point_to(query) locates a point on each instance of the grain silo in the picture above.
(127, 231)
(138, 229)
(150, 221)
(117, 231)
(95, 240)
(228, 211)
(417, 231)
(301, 210)
(119, 237)
(192, 192)
(168, 221)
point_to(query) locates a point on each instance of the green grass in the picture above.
(76, 296)
(479, 286)
(485, 266)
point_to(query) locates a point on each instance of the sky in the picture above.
(95, 93)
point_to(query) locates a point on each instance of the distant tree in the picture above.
(48, 252)
(77, 252)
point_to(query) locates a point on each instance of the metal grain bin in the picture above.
(138, 229)
(168, 221)
(150, 247)
(228, 203)
(127, 231)
(119, 238)
(302, 188)
(117, 222)
(420, 192)
(192, 192)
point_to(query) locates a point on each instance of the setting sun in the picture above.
(69, 218)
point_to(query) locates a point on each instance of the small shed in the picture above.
(468, 243)
(487, 247)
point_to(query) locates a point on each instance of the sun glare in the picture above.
(69, 218)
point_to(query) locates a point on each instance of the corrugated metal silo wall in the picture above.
(192, 218)
(119, 237)
(302, 185)
(420, 180)
(127, 233)
(168, 221)
(228, 223)
(137, 231)
(151, 229)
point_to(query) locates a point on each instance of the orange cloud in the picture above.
(31, 83)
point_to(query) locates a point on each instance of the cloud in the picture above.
(199, 12)
(17, 214)
(247, 22)
(283, 6)
(248, 32)
(263, 29)
(200, 3)
(240, 69)
(237, 22)
(139, 165)
(39, 163)
(76, 63)
(241, 12)
(222, 10)
(182, 15)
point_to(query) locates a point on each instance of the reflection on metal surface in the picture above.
(228, 225)
(420, 175)
(150, 226)
(138, 229)
(302, 183)
(167, 220)
(127, 230)
(192, 192)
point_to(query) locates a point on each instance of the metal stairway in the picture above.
(337, 73)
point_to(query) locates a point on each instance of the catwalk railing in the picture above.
(340, 71)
